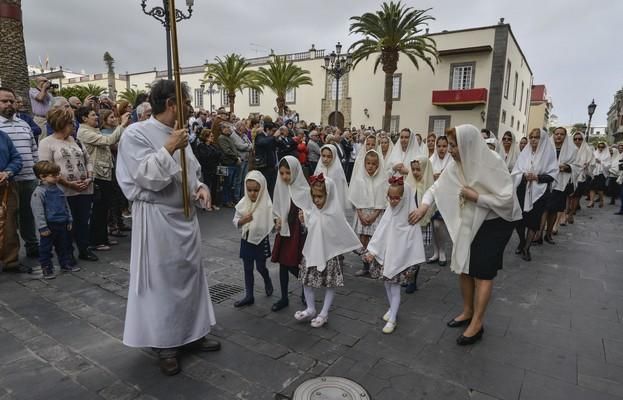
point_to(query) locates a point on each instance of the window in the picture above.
(512, 120)
(291, 96)
(527, 100)
(198, 98)
(438, 124)
(503, 116)
(394, 124)
(254, 97)
(515, 88)
(396, 86)
(462, 76)
(518, 125)
(333, 88)
(521, 96)
(523, 129)
(224, 97)
(507, 81)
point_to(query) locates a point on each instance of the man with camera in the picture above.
(41, 100)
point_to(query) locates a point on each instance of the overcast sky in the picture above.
(571, 45)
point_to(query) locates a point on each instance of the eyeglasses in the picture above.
(506, 139)
(577, 139)
(534, 137)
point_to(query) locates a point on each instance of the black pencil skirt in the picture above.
(487, 250)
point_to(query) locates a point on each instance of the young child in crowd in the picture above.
(291, 195)
(328, 236)
(368, 194)
(420, 178)
(53, 219)
(439, 161)
(254, 216)
(331, 167)
(395, 246)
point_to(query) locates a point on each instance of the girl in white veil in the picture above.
(509, 150)
(331, 167)
(405, 150)
(439, 161)
(586, 163)
(385, 146)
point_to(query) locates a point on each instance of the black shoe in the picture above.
(538, 241)
(466, 341)
(453, 323)
(32, 254)
(24, 269)
(525, 255)
(280, 305)
(519, 250)
(411, 287)
(268, 287)
(70, 268)
(170, 366)
(247, 301)
(443, 263)
(87, 255)
(549, 239)
(618, 213)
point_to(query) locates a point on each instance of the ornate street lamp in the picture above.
(211, 90)
(161, 14)
(337, 65)
(591, 111)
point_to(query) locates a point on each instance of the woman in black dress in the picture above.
(476, 197)
(209, 156)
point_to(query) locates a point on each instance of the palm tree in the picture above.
(110, 65)
(281, 76)
(393, 30)
(130, 95)
(92, 90)
(232, 74)
(13, 66)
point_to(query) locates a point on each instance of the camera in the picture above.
(54, 86)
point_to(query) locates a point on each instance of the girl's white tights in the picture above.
(310, 299)
(393, 296)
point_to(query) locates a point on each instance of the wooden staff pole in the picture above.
(179, 101)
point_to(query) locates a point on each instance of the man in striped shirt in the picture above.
(24, 141)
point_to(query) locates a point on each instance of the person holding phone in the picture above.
(40, 101)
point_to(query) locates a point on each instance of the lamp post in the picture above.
(337, 65)
(211, 90)
(161, 14)
(591, 111)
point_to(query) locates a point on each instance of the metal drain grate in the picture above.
(223, 291)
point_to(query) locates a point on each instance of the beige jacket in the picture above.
(98, 148)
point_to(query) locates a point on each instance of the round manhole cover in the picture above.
(330, 388)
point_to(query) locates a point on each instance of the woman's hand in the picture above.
(203, 196)
(416, 215)
(125, 120)
(469, 194)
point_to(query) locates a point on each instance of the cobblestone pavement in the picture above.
(553, 331)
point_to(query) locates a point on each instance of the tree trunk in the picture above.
(112, 85)
(13, 66)
(387, 117)
(389, 59)
(281, 104)
(232, 99)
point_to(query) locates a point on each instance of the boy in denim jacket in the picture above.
(53, 219)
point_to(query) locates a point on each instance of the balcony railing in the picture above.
(460, 99)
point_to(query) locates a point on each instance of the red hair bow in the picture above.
(397, 180)
(316, 178)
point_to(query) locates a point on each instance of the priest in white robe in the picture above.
(169, 302)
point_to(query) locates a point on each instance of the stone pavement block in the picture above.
(347, 326)
(326, 351)
(482, 374)
(33, 379)
(599, 376)
(47, 348)
(553, 362)
(271, 350)
(11, 349)
(614, 351)
(254, 367)
(118, 391)
(72, 365)
(421, 386)
(392, 347)
(95, 379)
(298, 361)
(539, 387)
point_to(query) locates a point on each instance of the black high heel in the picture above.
(549, 239)
(525, 255)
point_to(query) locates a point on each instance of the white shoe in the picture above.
(319, 321)
(386, 316)
(389, 327)
(304, 315)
